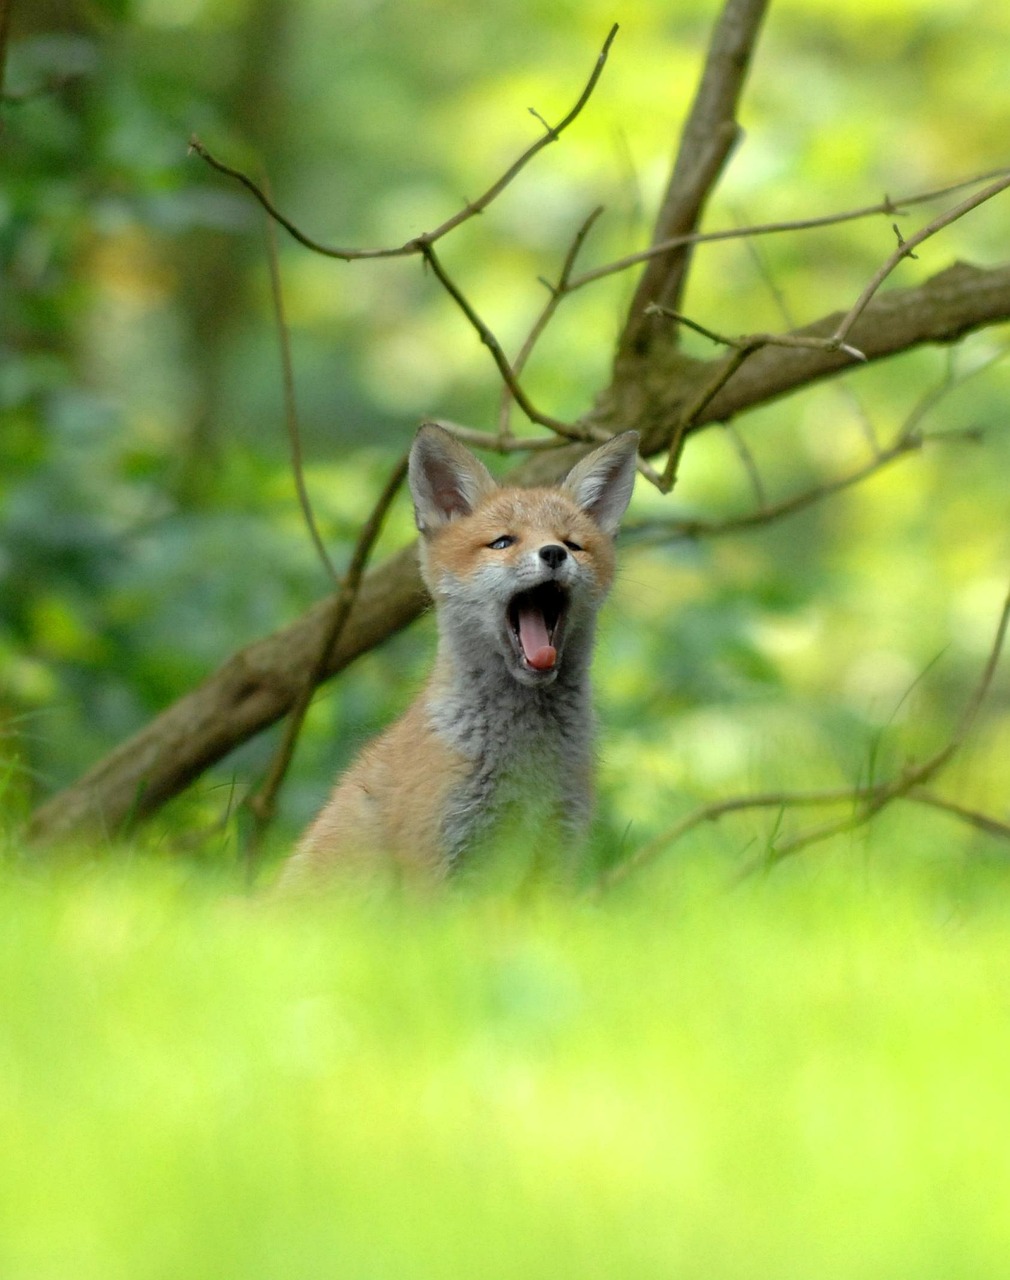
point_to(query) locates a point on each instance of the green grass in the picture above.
(806, 1077)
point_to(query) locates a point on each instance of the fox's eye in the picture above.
(572, 546)
(499, 544)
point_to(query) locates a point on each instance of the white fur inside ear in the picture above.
(603, 481)
(445, 478)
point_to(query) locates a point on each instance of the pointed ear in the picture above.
(446, 480)
(602, 482)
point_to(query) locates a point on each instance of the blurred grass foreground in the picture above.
(806, 1076)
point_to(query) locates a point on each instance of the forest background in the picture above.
(150, 520)
(699, 1073)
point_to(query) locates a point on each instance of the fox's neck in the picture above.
(481, 711)
(531, 746)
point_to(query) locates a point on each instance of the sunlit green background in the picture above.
(149, 523)
(802, 1076)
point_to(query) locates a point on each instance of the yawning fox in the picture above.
(505, 721)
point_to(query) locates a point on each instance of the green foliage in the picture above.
(804, 1076)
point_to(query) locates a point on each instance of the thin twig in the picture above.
(722, 373)
(741, 349)
(886, 207)
(905, 250)
(658, 531)
(497, 443)
(711, 813)
(982, 821)
(750, 342)
(263, 803)
(866, 802)
(912, 777)
(489, 340)
(290, 402)
(417, 244)
(558, 292)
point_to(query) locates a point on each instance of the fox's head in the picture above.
(518, 573)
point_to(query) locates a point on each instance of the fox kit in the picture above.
(505, 721)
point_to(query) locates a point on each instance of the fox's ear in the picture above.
(446, 480)
(602, 482)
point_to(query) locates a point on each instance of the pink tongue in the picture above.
(540, 653)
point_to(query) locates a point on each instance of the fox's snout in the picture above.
(553, 555)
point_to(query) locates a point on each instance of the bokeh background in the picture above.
(148, 518)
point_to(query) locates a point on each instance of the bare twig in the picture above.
(418, 244)
(262, 804)
(565, 429)
(741, 349)
(711, 813)
(912, 777)
(908, 442)
(290, 403)
(695, 407)
(886, 207)
(776, 510)
(751, 342)
(905, 250)
(557, 293)
(973, 817)
(498, 443)
(573, 432)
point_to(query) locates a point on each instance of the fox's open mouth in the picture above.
(535, 623)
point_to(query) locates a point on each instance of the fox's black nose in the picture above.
(552, 555)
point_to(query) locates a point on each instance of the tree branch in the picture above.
(864, 803)
(260, 683)
(887, 207)
(557, 294)
(905, 250)
(263, 803)
(707, 140)
(941, 310)
(505, 369)
(418, 244)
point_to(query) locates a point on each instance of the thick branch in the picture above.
(706, 142)
(259, 685)
(651, 395)
(252, 690)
